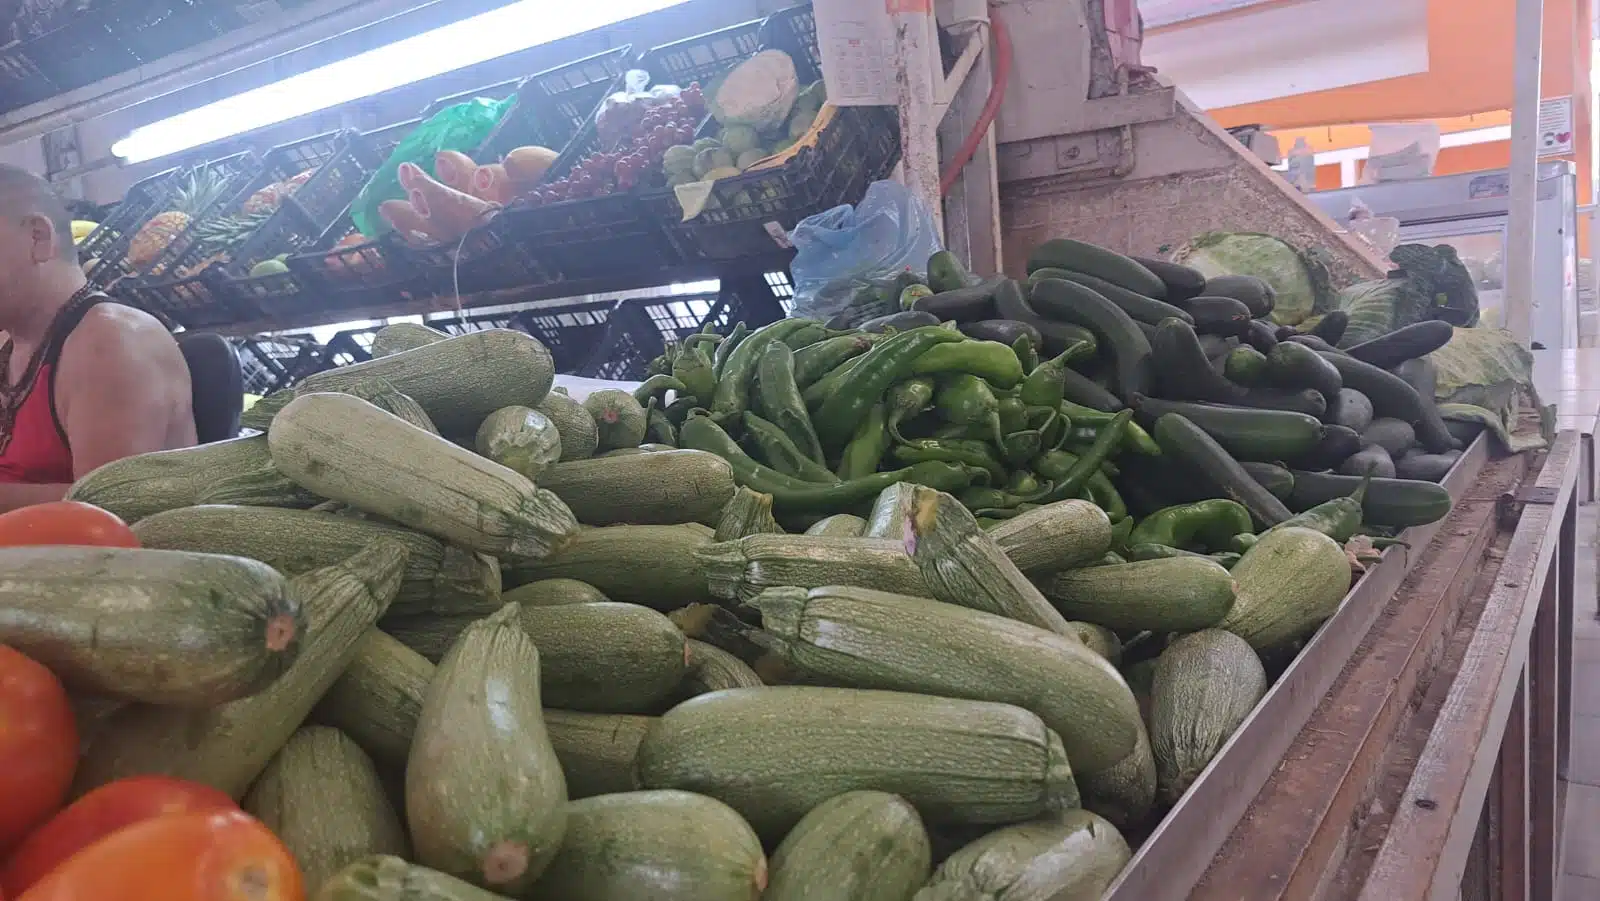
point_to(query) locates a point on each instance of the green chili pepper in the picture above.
(913, 293)
(819, 359)
(967, 400)
(1045, 385)
(1211, 524)
(805, 337)
(907, 400)
(828, 385)
(732, 395)
(1027, 354)
(694, 369)
(791, 495)
(734, 339)
(778, 451)
(698, 339)
(880, 367)
(1013, 413)
(1105, 496)
(1244, 541)
(865, 450)
(1022, 481)
(1020, 447)
(1119, 535)
(656, 387)
(779, 399)
(1105, 444)
(991, 361)
(1055, 464)
(1338, 519)
(993, 516)
(1139, 440)
(659, 429)
(992, 499)
(952, 450)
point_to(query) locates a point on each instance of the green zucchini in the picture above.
(377, 698)
(239, 471)
(597, 658)
(1055, 536)
(1183, 282)
(1289, 581)
(1331, 325)
(650, 565)
(858, 846)
(1423, 377)
(1173, 594)
(839, 525)
(521, 439)
(1011, 302)
(1277, 480)
(1184, 372)
(1393, 503)
(321, 796)
(741, 570)
(1079, 256)
(347, 450)
(1140, 307)
(960, 304)
(1405, 343)
(162, 627)
(596, 750)
(713, 669)
(867, 639)
(382, 878)
(1338, 444)
(440, 578)
(1222, 316)
(1100, 640)
(397, 337)
(956, 761)
(1294, 367)
(1124, 793)
(383, 396)
(1393, 435)
(580, 438)
(458, 381)
(1113, 328)
(749, 512)
(485, 795)
(890, 517)
(1073, 857)
(1352, 410)
(1205, 684)
(1262, 436)
(228, 746)
(1389, 394)
(1424, 466)
(1245, 366)
(554, 593)
(1370, 460)
(1247, 289)
(1200, 454)
(660, 845)
(643, 489)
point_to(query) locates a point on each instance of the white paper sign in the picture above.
(857, 43)
(1555, 126)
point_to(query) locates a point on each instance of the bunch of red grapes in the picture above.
(635, 160)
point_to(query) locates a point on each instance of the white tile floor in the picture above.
(1580, 879)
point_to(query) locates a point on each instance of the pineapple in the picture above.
(199, 190)
(214, 240)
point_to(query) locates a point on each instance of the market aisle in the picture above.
(1580, 879)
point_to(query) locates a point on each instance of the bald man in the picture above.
(85, 380)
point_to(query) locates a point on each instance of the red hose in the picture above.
(991, 106)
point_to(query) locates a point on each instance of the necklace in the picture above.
(12, 396)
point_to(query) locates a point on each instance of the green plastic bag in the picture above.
(461, 127)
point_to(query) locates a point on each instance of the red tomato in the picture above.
(99, 813)
(64, 522)
(184, 857)
(38, 744)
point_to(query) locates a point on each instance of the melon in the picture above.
(758, 92)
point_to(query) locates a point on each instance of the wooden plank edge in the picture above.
(1425, 851)
(1180, 850)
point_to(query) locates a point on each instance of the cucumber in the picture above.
(1245, 366)
(1129, 349)
(963, 304)
(1174, 594)
(1182, 370)
(1370, 459)
(1256, 435)
(1205, 684)
(945, 272)
(857, 638)
(1247, 289)
(1080, 389)
(1074, 856)
(596, 750)
(1183, 282)
(321, 796)
(1313, 342)
(481, 715)
(1423, 378)
(1138, 306)
(1392, 435)
(1390, 395)
(1262, 335)
(1289, 581)
(1202, 456)
(1005, 331)
(1406, 343)
(1337, 445)
(1393, 503)
(1331, 326)
(1011, 302)
(663, 488)
(1293, 367)
(660, 845)
(1220, 316)
(1078, 256)
(1352, 410)
(858, 846)
(377, 698)
(650, 565)
(1308, 401)
(1276, 479)
(958, 762)
(1425, 466)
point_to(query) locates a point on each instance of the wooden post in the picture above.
(1528, 53)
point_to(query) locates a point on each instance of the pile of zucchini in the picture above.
(455, 635)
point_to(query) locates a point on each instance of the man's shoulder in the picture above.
(115, 324)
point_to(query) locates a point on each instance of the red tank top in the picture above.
(33, 445)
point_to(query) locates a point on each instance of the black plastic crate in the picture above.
(752, 213)
(572, 332)
(235, 171)
(344, 275)
(483, 260)
(197, 301)
(153, 30)
(551, 107)
(108, 244)
(586, 239)
(268, 361)
(794, 31)
(82, 51)
(631, 341)
(21, 82)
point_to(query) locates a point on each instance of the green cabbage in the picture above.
(1430, 283)
(758, 92)
(1300, 279)
(1488, 368)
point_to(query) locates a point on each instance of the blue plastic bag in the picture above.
(842, 250)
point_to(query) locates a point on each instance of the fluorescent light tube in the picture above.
(510, 29)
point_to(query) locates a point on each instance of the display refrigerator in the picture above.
(1470, 212)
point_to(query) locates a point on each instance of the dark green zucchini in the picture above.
(1080, 389)
(1308, 401)
(1426, 467)
(1136, 305)
(1194, 450)
(963, 304)
(1012, 303)
(1423, 377)
(1336, 446)
(1214, 346)
(1331, 327)
(1276, 479)
(1248, 434)
(1393, 435)
(1005, 331)
(1247, 289)
(1313, 342)
(1391, 396)
(1183, 371)
(1370, 459)
(1219, 316)
(1402, 344)
(1352, 410)
(1183, 282)
(1128, 347)
(1293, 366)
(1080, 256)
(1262, 335)
(1395, 503)
(1245, 366)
